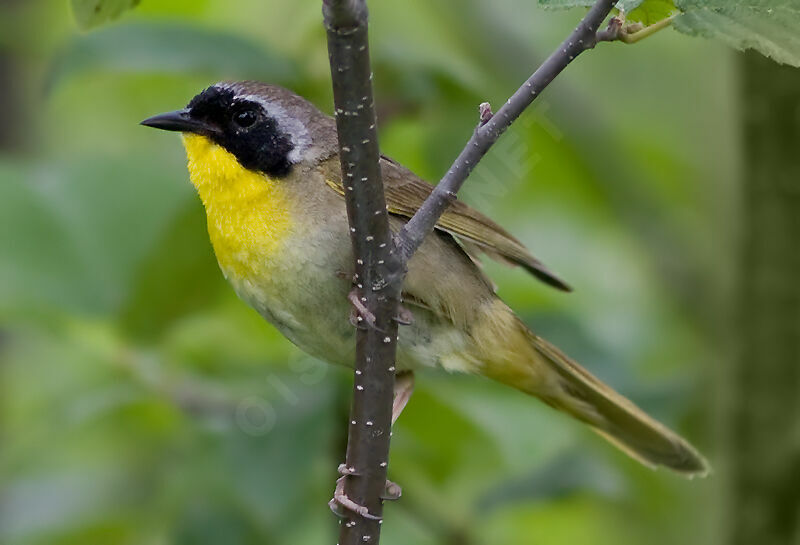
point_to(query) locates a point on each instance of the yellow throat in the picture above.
(246, 210)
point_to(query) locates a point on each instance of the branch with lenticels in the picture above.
(380, 258)
(359, 492)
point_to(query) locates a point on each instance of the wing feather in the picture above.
(405, 193)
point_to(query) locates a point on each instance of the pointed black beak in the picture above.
(179, 120)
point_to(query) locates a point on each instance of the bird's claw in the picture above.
(392, 491)
(360, 313)
(404, 316)
(340, 501)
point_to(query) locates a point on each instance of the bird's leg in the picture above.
(403, 388)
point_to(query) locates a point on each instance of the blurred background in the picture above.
(142, 403)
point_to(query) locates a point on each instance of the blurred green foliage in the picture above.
(142, 403)
(90, 13)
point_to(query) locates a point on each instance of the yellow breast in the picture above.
(247, 211)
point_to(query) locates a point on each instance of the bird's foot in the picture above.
(404, 316)
(392, 491)
(360, 313)
(341, 502)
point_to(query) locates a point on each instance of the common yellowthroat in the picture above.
(265, 164)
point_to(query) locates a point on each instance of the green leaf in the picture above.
(652, 11)
(92, 13)
(771, 27)
(629, 5)
(170, 49)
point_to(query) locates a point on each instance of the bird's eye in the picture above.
(245, 118)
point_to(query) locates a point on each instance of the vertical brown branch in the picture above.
(380, 259)
(370, 415)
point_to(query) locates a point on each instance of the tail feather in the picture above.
(529, 363)
(616, 418)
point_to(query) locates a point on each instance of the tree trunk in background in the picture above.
(764, 413)
(13, 80)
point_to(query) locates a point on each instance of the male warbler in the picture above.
(265, 164)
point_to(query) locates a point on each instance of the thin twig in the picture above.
(631, 36)
(582, 38)
(632, 33)
(375, 264)
(614, 30)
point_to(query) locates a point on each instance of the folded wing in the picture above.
(405, 193)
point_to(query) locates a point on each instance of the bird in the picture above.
(265, 164)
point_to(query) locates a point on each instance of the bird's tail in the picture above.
(527, 362)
